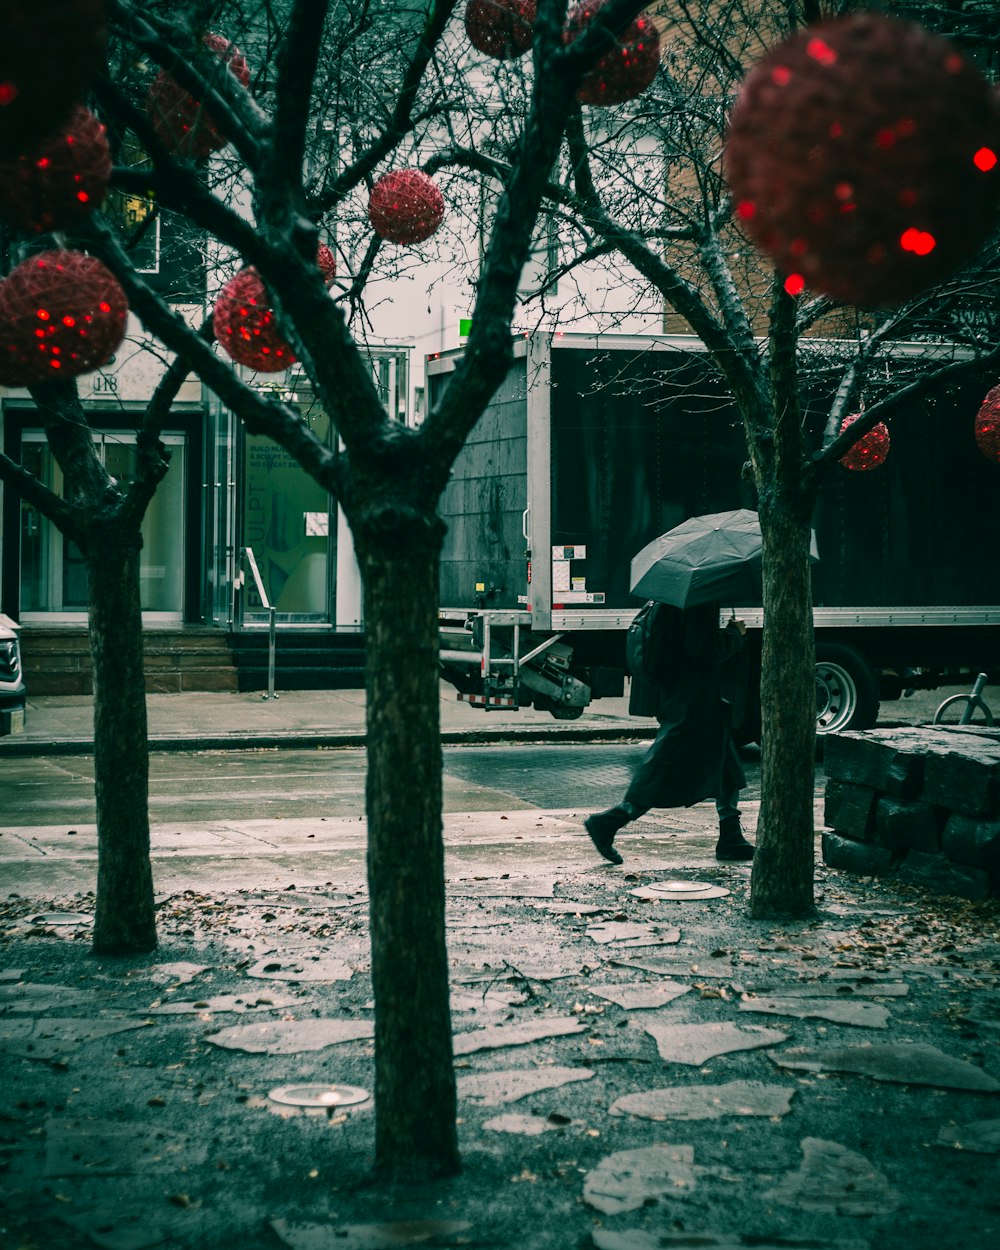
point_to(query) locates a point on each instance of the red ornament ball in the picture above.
(60, 182)
(50, 52)
(988, 425)
(862, 158)
(246, 327)
(500, 28)
(61, 314)
(405, 206)
(870, 450)
(327, 263)
(627, 70)
(181, 123)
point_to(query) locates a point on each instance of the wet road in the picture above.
(242, 785)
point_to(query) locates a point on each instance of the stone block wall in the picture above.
(922, 804)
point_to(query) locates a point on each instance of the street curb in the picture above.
(311, 740)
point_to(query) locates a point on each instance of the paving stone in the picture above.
(981, 1136)
(47, 1039)
(906, 1063)
(28, 996)
(486, 1001)
(835, 1180)
(291, 1037)
(237, 1003)
(629, 1179)
(695, 1044)
(836, 1010)
(385, 1236)
(512, 1084)
(283, 968)
(179, 973)
(503, 887)
(706, 1102)
(641, 995)
(857, 987)
(107, 1148)
(635, 934)
(671, 966)
(515, 1034)
(528, 1125)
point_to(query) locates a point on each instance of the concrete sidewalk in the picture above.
(199, 720)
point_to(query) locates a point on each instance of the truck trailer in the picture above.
(594, 445)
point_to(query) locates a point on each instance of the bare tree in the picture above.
(645, 197)
(345, 91)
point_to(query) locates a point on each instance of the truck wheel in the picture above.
(846, 690)
(565, 713)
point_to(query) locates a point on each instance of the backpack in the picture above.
(651, 645)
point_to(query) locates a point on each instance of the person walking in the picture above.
(693, 756)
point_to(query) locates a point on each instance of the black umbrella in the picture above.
(706, 559)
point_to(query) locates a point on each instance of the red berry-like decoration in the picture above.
(327, 263)
(181, 123)
(50, 51)
(61, 314)
(870, 450)
(988, 425)
(500, 28)
(61, 181)
(405, 206)
(246, 327)
(862, 158)
(627, 70)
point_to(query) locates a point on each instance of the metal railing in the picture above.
(246, 553)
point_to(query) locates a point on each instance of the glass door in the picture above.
(53, 576)
(286, 524)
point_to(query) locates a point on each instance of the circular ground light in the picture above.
(319, 1095)
(680, 890)
(61, 917)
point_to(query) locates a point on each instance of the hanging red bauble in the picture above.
(627, 70)
(988, 425)
(61, 181)
(500, 28)
(49, 54)
(180, 121)
(405, 206)
(862, 157)
(246, 327)
(327, 264)
(870, 450)
(62, 314)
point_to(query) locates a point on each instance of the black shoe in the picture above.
(734, 852)
(732, 846)
(602, 828)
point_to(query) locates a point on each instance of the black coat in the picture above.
(694, 750)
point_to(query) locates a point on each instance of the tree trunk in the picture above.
(415, 1100)
(124, 922)
(781, 882)
(782, 877)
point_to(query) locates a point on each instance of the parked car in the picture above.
(12, 691)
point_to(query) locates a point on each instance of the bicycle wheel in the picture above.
(953, 710)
